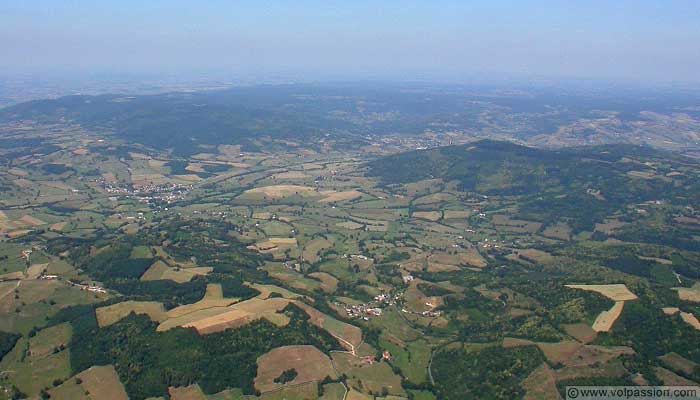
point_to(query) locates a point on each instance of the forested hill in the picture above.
(584, 183)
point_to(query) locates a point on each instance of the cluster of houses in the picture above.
(373, 309)
(167, 193)
(81, 286)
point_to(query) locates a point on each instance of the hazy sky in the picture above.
(634, 39)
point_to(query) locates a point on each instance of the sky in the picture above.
(618, 40)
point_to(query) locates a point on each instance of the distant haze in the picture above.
(637, 40)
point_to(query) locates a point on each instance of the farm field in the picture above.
(291, 269)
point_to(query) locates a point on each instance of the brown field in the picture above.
(428, 215)
(58, 226)
(329, 283)
(581, 332)
(679, 363)
(663, 261)
(559, 231)
(28, 219)
(188, 177)
(435, 198)
(101, 382)
(616, 292)
(23, 183)
(35, 270)
(557, 353)
(19, 233)
(689, 294)
(605, 320)
(534, 256)
(671, 379)
(290, 175)
(348, 335)
(309, 363)
(541, 384)
(303, 391)
(688, 220)
(281, 191)
(332, 197)
(192, 392)
(110, 314)
(453, 214)
(610, 226)
(516, 342)
(515, 225)
(313, 247)
(355, 395)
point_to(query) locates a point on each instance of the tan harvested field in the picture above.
(332, 197)
(213, 298)
(262, 215)
(329, 283)
(605, 320)
(160, 270)
(679, 363)
(267, 290)
(349, 225)
(155, 271)
(239, 314)
(689, 294)
(616, 292)
(671, 310)
(370, 377)
(691, 320)
(192, 392)
(96, 383)
(281, 191)
(274, 244)
(541, 384)
(309, 363)
(110, 314)
(427, 215)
